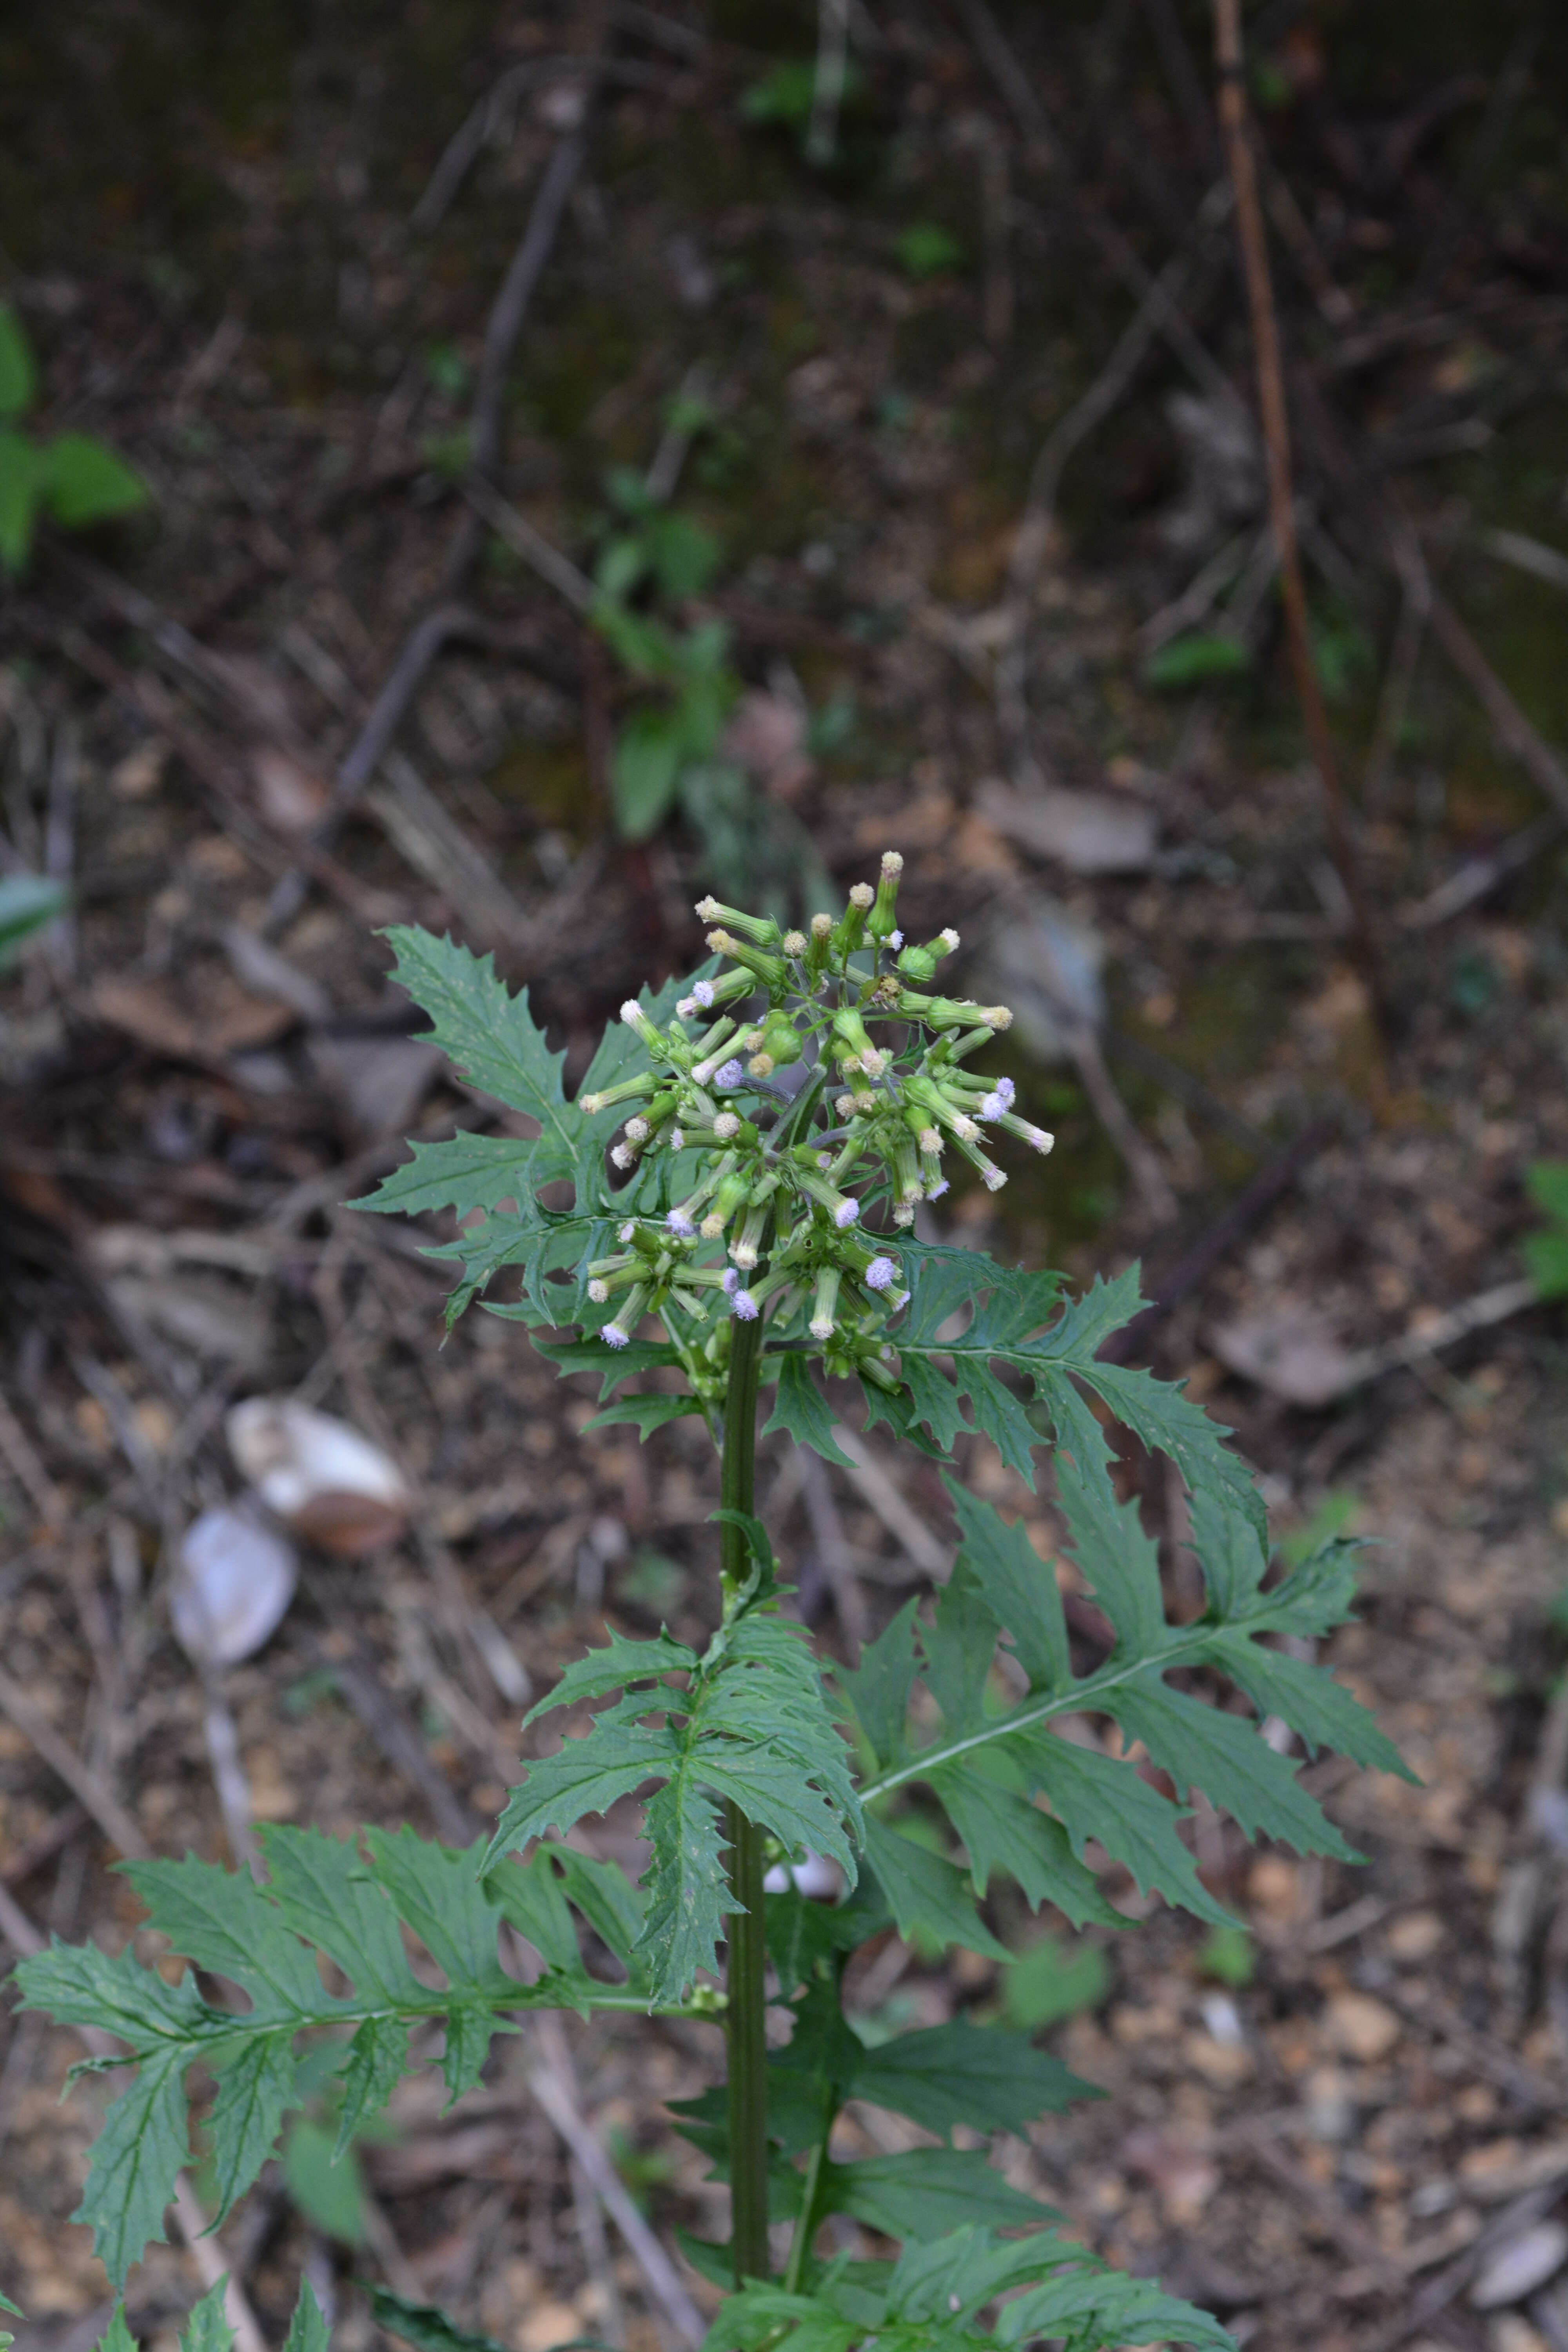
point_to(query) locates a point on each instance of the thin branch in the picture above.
(1275, 424)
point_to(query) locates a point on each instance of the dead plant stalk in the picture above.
(1275, 420)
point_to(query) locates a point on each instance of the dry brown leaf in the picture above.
(1292, 1352)
(1089, 833)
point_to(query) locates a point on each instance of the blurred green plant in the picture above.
(926, 249)
(1546, 1254)
(1055, 1977)
(73, 479)
(1197, 658)
(29, 904)
(1228, 1955)
(783, 98)
(668, 759)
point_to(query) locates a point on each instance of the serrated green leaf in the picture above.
(958, 1651)
(1120, 1564)
(1003, 1830)
(587, 1776)
(1315, 1597)
(688, 1896)
(1309, 1699)
(327, 1895)
(437, 1891)
(1020, 1587)
(466, 1171)
(1096, 1796)
(308, 2329)
(925, 2191)
(21, 494)
(1229, 1551)
(136, 2160)
(645, 1413)
(490, 1036)
(78, 1985)
(611, 1364)
(967, 2074)
(117, 2335)
(222, 1921)
(469, 2031)
(85, 482)
(878, 1688)
(377, 2061)
(18, 390)
(207, 2328)
(926, 1894)
(255, 2085)
(532, 1898)
(618, 1664)
(1225, 1756)
(602, 1893)
(801, 1412)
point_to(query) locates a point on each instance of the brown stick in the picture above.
(1276, 422)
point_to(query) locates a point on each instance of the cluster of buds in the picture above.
(768, 1191)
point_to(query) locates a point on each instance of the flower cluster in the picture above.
(785, 1119)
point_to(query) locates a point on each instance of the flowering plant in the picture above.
(743, 1165)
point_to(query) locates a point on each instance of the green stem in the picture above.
(810, 2199)
(748, 1953)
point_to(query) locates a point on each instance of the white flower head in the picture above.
(822, 1327)
(845, 1214)
(678, 1138)
(862, 894)
(680, 1225)
(994, 1178)
(894, 941)
(934, 1192)
(732, 1075)
(614, 1334)
(628, 1231)
(904, 1210)
(637, 1130)
(624, 1156)
(795, 943)
(686, 1007)
(726, 1127)
(598, 1292)
(881, 1274)
(744, 1306)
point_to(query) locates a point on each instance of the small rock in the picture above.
(232, 1582)
(329, 1483)
(1517, 2269)
(1362, 2027)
